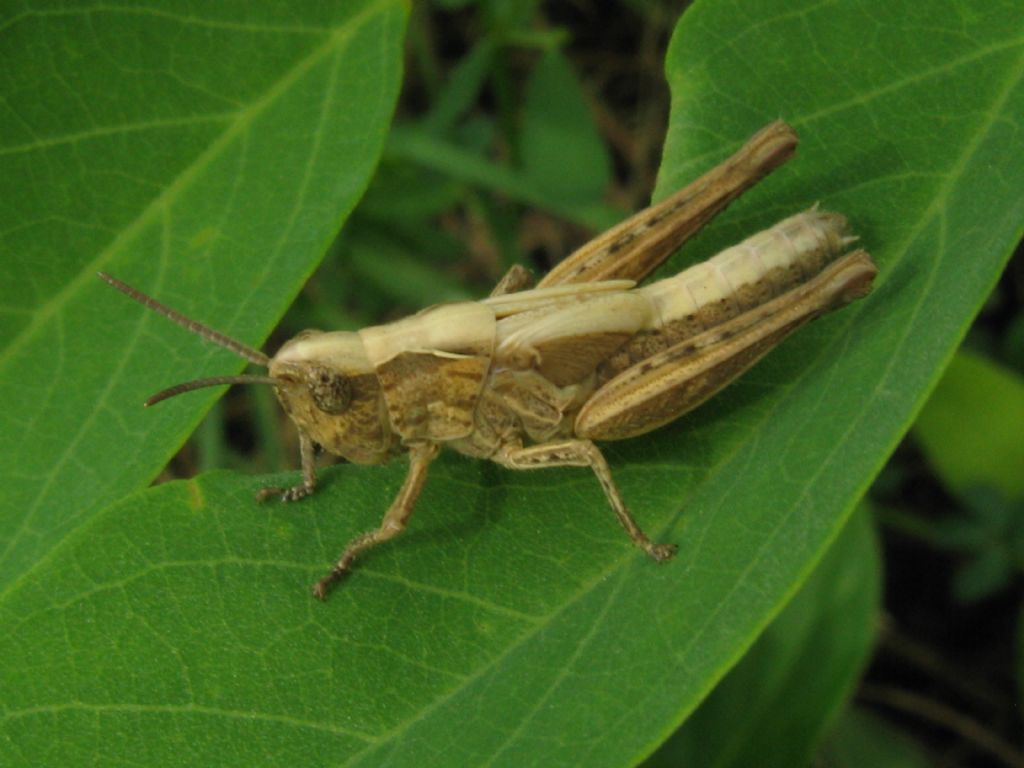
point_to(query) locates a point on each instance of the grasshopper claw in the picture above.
(662, 552)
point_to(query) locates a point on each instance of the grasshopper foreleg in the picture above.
(394, 521)
(583, 453)
(308, 484)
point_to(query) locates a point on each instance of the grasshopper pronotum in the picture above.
(529, 378)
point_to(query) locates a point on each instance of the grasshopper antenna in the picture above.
(240, 349)
(213, 381)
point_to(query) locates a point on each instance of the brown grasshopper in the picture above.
(529, 378)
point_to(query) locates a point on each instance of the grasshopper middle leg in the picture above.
(394, 521)
(583, 453)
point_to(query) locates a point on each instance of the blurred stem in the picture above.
(911, 651)
(937, 713)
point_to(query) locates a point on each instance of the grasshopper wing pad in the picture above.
(432, 367)
(552, 298)
(567, 345)
(667, 385)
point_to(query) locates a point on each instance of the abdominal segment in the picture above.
(735, 281)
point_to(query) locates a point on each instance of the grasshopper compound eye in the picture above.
(331, 391)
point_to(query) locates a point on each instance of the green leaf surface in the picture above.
(971, 427)
(514, 624)
(798, 674)
(205, 156)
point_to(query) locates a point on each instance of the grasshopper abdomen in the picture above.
(735, 281)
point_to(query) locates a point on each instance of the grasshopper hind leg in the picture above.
(583, 453)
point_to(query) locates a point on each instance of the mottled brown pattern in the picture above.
(667, 385)
(330, 390)
(534, 400)
(431, 368)
(774, 283)
(753, 294)
(360, 434)
(432, 397)
(494, 425)
(676, 394)
(539, 407)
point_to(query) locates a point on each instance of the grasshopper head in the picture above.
(329, 388)
(319, 367)
(324, 381)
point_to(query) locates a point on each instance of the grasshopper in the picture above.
(531, 376)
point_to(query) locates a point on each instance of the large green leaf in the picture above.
(514, 624)
(798, 674)
(207, 157)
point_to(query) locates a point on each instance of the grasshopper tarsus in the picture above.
(293, 493)
(323, 587)
(296, 492)
(265, 493)
(662, 552)
(300, 490)
(344, 565)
